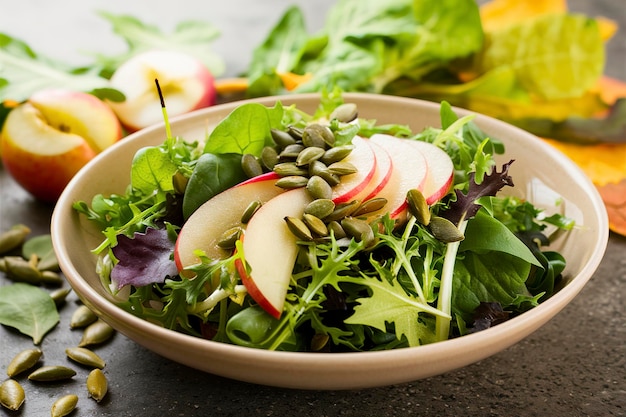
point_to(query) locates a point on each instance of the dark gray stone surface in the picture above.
(574, 366)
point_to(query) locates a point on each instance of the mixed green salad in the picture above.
(407, 287)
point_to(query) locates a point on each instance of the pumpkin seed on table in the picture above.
(64, 405)
(13, 238)
(51, 373)
(23, 361)
(59, 296)
(12, 395)
(85, 357)
(96, 333)
(97, 385)
(82, 317)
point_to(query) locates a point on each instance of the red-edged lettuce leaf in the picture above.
(144, 259)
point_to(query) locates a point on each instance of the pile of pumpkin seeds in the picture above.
(27, 363)
(308, 158)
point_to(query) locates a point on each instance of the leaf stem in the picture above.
(444, 301)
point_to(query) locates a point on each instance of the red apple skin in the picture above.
(270, 250)
(205, 226)
(440, 171)
(40, 158)
(384, 171)
(364, 159)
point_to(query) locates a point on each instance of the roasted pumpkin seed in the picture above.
(345, 113)
(12, 394)
(298, 228)
(282, 138)
(418, 206)
(269, 157)
(20, 270)
(315, 224)
(370, 206)
(444, 230)
(317, 168)
(335, 228)
(64, 405)
(13, 238)
(96, 333)
(358, 229)
(285, 169)
(229, 237)
(319, 188)
(319, 341)
(343, 210)
(342, 168)
(97, 385)
(51, 373)
(59, 296)
(85, 357)
(249, 211)
(292, 181)
(23, 361)
(295, 132)
(50, 278)
(82, 317)
(336, 154)
(179, 181)
(291, 151)
(318, 135)
(308, 155)
(251, 165)
(320, 208)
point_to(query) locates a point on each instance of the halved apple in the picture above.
(47, 139)
(186, 84)
(206, 225)
(270, 250)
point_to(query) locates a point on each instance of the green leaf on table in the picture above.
(191, 37)
(28, 309)
(41, 246)
(23, 72)
(556, 56)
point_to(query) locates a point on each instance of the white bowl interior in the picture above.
(539, 172)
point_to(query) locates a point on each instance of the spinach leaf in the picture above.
(29, 309)
(484, 233)
(212, 175)
(245, 130)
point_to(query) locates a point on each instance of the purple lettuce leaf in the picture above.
(144, 259)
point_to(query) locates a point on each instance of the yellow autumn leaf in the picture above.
(499, 14)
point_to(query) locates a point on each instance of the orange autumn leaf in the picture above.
(291, 81)
(498, 14)
(614, 197)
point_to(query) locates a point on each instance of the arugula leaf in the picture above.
(192, 37)
(23, 72)
(28, 309)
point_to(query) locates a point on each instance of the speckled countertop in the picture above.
(573, 366)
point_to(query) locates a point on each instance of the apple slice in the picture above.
(409, 171)
(384, 171)
(270, 250)
(364, 159)
(206, 225)
(440, 171)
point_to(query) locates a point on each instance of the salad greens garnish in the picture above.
(409, 288)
